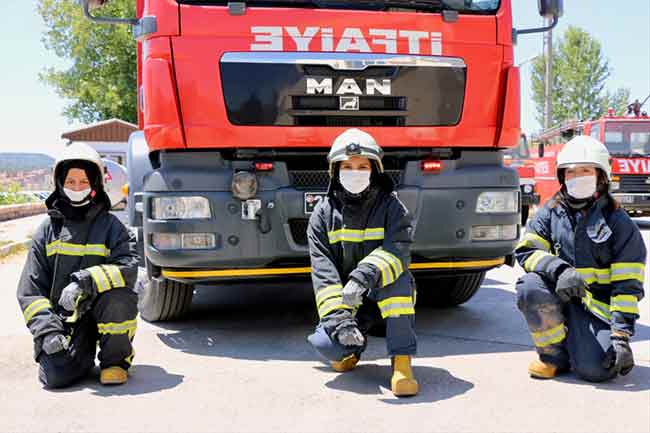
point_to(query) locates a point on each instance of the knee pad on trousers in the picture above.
(328, 348)
(593, 372)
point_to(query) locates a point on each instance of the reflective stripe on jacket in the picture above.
(603, 244)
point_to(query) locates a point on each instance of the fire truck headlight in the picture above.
(497, 202)
(615, 184)
(528, 189)
(171, 208)
(244, 185)
(494, 233)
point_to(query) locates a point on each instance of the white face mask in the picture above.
(581, 187)
(77, 196)
(355, 181)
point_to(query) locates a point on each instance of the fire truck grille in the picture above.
(298, 229)
(349, 121)
(635, 183)
(366, 103)
(319, 179)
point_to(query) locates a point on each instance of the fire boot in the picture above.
(542, 370)
(403, 383)
(113, 376)
(346, 364)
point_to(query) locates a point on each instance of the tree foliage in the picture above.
(580, 73)
(101, 80)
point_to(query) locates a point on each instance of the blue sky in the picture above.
(30, 112)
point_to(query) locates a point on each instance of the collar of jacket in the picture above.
(598, 205)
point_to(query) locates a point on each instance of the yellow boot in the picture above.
(346, 364)
(403, 383)
(542, 370)
(113, 376)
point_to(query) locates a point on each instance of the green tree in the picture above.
(580, 72)
(100, 81)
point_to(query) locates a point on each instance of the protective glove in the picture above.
(619, 356)
(353, 293)
(570, 284)
(350, 336)
(54, 343)
(69, 296)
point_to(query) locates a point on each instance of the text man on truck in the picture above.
(240, 101)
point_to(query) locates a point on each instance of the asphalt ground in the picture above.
(240, 362)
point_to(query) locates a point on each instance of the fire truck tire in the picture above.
(448, 291)
(162, 299)
(525, 210)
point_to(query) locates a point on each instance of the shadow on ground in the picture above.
(436, 384)
(637, 380)
(145, 379)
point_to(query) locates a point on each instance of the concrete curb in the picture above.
(14, 247)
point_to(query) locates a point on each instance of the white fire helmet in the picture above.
(354, 142)
(83, 152)
(584, 150)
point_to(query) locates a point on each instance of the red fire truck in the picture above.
(628, 141)
(519, 159)
(240, 101)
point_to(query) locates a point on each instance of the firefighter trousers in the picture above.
(394, 305)
(111, 323)
(565, 335)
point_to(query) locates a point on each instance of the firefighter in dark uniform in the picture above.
(359, 243)
(585, 260)
(76, 287)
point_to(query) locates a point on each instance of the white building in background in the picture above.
(109, 138)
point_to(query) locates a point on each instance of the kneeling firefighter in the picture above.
(359, 243)
(585, 260)
(76, 286)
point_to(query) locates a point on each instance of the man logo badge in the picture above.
(349, 103)
(647, 181)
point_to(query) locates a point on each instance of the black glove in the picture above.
(353, 293)
(570, 284)
(54, 343)
(350, 336)
(619, 356)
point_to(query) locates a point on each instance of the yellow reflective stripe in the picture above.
(531, 262)
(328, 292)
(396, 306)
(115, 275)
(126, 327)
(384, 268)
(628, 271)
(100, 279)
(35, 307)
(551, 336)
(595, 275)
(532, 240)
(353, 235)
(597, 307)
(331, 305)
(129, 359)
(392, 259)
(69, 249)
(624, 304)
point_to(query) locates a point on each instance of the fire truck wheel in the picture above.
(162, 299)
(448, 291)
(524, 215)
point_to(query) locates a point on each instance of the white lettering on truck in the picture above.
(633, 166)
(353, 39)
(348, 86)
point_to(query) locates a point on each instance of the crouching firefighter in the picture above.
(76, 287)
(585, 260)
(359, 243)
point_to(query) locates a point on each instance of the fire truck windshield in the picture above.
(462, 6)
(628, 138)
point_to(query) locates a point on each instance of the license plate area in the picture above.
(311, 199)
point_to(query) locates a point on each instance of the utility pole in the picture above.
(548, 51)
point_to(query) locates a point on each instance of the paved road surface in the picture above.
(241, 363)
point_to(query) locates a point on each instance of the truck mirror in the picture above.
(550, 8)
(87, 5)
(540, 149)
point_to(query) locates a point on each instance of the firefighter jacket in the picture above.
(602, 243)
(97, 252)
(367, 239)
